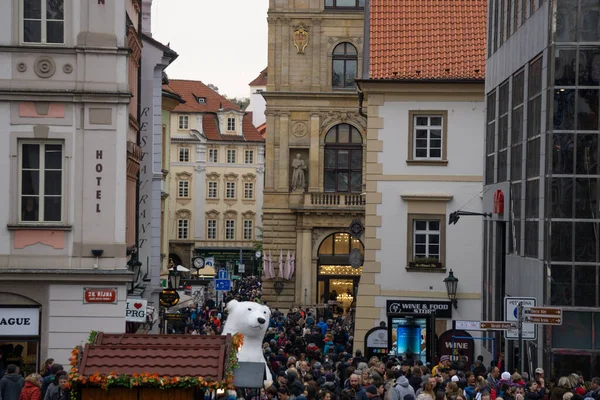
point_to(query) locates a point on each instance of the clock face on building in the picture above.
(258, 254)
(198, 262)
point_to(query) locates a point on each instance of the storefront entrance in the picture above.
(20, 338)
(337, 281)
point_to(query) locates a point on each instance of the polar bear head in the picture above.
(248, 318)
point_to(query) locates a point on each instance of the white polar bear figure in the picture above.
(251, 320)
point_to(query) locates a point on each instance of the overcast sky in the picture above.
(223, 42)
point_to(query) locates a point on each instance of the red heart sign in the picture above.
(137, 305)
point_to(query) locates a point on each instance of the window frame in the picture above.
(211, 229)
(230, 192)
(183, 189)
(231, 124)
(349, 147)
(411, 236)
(412, 130)
(41, 181)
(214, 190)
(251, 154)
(183, 122)
(230, 228)
(183, 226)
(248, 229)
(213, 156)
(43, 25)
(231, 160)
(336, 7)
(345, 57)
(184, 154)
(248, 189)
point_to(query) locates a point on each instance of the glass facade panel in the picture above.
(532, 201)
(516, 162)
(585, 285)
(531, 239)
(503, 166)
(574, 333)
(565, 62)
(566, 21)
(587, 110)
(589, 21)
(586, 234)
(589, 66)
(587, 154)
(586, 198)
(533, 158)
(561, 287)
(562, 198)
(564, 109)
(563, 153)
(489, 169)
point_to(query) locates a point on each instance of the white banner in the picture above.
(19, 321)
(136, 310)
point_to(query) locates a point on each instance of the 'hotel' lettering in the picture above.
(99, 169)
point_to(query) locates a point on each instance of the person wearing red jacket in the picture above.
(31, 390)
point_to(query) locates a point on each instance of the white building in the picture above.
(258, 104)
(424, 161)
(64, 100)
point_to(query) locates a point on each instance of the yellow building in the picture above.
(314, 179)
(216, 169)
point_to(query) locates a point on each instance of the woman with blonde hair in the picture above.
(31, 390)
(45, 370)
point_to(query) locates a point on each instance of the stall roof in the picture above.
(165, 355)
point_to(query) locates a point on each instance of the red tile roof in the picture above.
(428, 39)
(165, 355)
(262, 129)
(191, 90)
(260, 80)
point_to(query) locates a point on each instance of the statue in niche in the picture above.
(298, 176)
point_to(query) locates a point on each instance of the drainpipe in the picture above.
(361, 98)
(139, 134)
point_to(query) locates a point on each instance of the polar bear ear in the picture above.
(232, 305)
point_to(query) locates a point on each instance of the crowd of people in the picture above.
(49, 384)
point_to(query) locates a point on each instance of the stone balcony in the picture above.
(317, 201)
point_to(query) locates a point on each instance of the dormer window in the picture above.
(231, 124)
(201, 100)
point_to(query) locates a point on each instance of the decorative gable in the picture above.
(230, 122)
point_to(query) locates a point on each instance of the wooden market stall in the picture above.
(152, 367)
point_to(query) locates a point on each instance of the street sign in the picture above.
(511, 305)
(223, 285)
(209, 262)
(222, 273)
(241, 268)
(497, 325)
(467, 325)
(543, 320)
(555, 311)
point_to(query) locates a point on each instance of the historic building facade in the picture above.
(69, 126)
(314, 150)
(217, 170)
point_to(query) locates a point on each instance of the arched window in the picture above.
(345, 66)
(343, 159)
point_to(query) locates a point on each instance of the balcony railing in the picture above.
(334, 200)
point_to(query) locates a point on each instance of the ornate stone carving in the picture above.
(230, 176)
(299, 129)
(353, 116)
(260, 169)
(212, 214)
(230, 214)
(213, 176)
(249, 177)
(300, 38)
(359, 40)
(200, 168)
(67, 68)
(184, 175)
(248, 214)
(299, 174)
(183, 214)
(44, 67)
(331, 40)
(318, 233)
(21, 67)
(328, 117)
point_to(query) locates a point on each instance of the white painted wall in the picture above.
(257, 105)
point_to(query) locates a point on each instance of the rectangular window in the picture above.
(230, 156)
(183, 122)
(213, 190)
(230, 229)
(230, 124)
(213, 155)
(230, 190)
(183, 189)
(40, 181)
(426, 239)
(248, 229)
(345, 4)
(184, 154)
(248, 190)
(428, 136)
(249, 157)
(211, 229)
(182, 229)
(43, 21)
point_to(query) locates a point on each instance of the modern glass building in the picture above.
(541, 142)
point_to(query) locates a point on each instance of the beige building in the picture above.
(216, 179)
(314, 149)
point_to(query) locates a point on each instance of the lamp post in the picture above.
(175, 277)
(451, 286)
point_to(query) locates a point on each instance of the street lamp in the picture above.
(175, 277)
(451, 286)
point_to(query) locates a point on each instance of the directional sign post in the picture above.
(497, 325)
(511, 306)
(555, 311)
(222, 285)
(543, 315)
(222, 273)
(543, 320)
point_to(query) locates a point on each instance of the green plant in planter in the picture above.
(426, 261)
